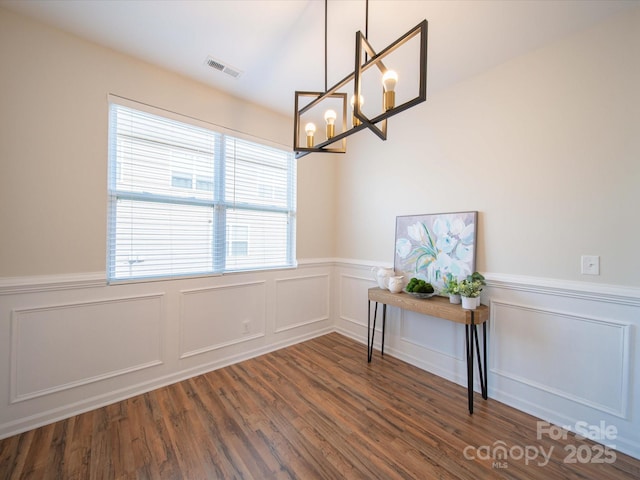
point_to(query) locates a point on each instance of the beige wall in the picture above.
(546, 147)
(53, 147)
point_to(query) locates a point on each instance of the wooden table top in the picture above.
(435, 306)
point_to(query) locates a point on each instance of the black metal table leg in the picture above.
(373, 331)
(384, 325)
(486, 367)
(471, 338)
(483, 371)
(368, 329)
(469, 345)
(472, 330)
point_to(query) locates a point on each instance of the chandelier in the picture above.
(374, 73)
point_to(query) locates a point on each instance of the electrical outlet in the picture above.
(245, 326)
(590, 265)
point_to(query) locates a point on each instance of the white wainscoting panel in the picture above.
(57, 347)
(216, 317)
(564, 354)
(301, 301)
(435, 334)
(353, 298)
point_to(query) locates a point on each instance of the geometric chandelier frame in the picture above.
(376, 59)
(365, 58)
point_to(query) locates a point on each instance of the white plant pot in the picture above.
(454, 298)
(469, 303)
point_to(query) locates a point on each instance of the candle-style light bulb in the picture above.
(310, 129)
(330, 118)
(355, 121)
(389, 81)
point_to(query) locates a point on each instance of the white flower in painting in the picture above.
(446, 243)
(450, 265)
(403, 247)
(460, 269)
(457, 227)
(441, 227)
(416, 232)
(464, 252)
(467, 235)
(444, 262)
(418, 250)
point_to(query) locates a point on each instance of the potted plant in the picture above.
(478, 278)
(470, 288)
(470, 291)
(452, 288)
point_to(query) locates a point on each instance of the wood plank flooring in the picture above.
(316, 410)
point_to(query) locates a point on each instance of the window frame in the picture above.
(219, 204)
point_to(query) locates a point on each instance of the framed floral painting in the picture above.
(436, 246)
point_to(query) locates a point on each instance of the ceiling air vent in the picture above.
(223, 67)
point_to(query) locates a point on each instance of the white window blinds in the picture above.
(188, 200)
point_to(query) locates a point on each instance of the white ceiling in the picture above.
(279, 44)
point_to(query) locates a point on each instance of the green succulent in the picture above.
(417, 285)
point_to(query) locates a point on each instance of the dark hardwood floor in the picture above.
(315, 410)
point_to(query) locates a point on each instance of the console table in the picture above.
(436, 307)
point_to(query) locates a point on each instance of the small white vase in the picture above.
(469, 303)
(454, 298)
(381, 275)
(396, 284)
(478, 301)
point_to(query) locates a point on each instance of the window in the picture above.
(185, 199)
(239, 240)
(182, 180)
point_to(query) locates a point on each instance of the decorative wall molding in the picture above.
(455, 334)
(360, 264)
(236, 285)
(548, 286)
(220, 346)
(214, 316)
(316, 262)
(31, 325)
(548, 333)
(356, 286)
(312, 293)
(47, 283)
(580, 290)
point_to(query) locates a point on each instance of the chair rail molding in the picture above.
(45, 283)
(581, 290)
